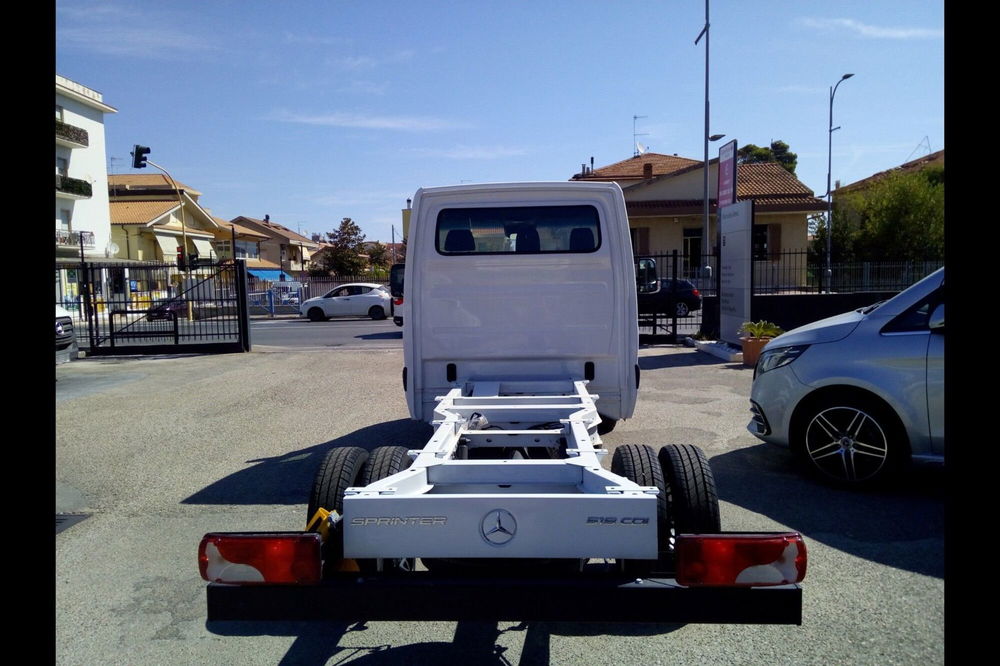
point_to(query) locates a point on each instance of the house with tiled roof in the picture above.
(664, 196)
(932, 160)
(282, 248)
(152, 216)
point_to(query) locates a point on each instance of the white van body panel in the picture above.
(513, 316)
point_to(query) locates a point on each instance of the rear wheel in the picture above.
(317, 314)
(691, 494)
(342, 468)
(376, 312)
(682, 309)
(383, 463)
(638, 464)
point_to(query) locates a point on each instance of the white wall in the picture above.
(87, 164)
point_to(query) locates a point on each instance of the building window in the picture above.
(640, 240)
(60, 113)
(766, 240)
(247, 250)
(62, 166)
(65, 219)
(692, 252)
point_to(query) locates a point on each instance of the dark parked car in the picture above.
(167, 308)
(662, 296)
(67, 348)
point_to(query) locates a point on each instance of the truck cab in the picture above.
(525, 281)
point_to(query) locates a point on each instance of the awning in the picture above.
(169, 245)
(204, 247)
(272, 275)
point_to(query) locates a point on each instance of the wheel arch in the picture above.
(845, 392)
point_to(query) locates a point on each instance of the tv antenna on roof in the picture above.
(639, 148)
(926, 141)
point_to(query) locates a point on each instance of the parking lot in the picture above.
(156, 451)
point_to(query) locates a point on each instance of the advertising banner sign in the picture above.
(726, 194)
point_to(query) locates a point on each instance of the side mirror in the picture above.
(936, 322)
(645, 276)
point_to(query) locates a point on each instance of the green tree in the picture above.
(378, 255)
(899, 217)
(347, 246)
(777, 152)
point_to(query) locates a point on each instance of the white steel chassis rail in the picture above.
(449, 507)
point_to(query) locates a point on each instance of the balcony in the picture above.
(71, 136)
(72, 238)
(72, 188)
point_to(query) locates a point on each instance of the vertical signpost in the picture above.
(735, 263)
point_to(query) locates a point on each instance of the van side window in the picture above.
(518, 230)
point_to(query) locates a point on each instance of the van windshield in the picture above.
(518, 230)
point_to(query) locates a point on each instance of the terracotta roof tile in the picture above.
(138, 212)
(633, 167)
(767, 179)
(934, 159)
(275, 227)
(155, 181)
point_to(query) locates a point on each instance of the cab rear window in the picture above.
(518, 230)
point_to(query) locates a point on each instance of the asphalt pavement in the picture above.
(151, 453)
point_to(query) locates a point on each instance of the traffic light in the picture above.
(139, 156)
(193, 260)
(181, 263)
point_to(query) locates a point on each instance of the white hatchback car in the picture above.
(860, 394)
(356, 299)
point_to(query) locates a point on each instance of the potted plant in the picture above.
(754, 335)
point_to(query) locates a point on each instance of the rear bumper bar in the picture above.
(581, 598)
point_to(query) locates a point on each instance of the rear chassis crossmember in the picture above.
(581, 598)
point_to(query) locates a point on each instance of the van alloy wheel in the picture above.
(847, 443)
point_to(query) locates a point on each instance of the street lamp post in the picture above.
(707, 269)
(829, 192)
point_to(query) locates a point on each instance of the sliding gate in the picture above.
(124, 309)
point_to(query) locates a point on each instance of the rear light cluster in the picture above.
(703, 560)
(260, 557)
(743, 560)
(696, 292)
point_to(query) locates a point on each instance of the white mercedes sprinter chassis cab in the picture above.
(520, 349)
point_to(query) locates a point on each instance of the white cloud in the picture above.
(871, 31)
(360, 121)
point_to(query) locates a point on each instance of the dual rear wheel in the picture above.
(687, 503)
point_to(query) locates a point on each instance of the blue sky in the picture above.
(311, 111)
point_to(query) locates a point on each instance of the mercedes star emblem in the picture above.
(498, 527)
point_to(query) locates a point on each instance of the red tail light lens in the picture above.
(742, 560)
(256, 557)
(397, 301)
(695, 292)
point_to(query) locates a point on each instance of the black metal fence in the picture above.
(154, 308)
(800, 271)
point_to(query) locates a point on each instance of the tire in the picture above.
(638, 463)
(383, 463)
(850, 440)
(376, 312)
(606, 425)
(693, 502)
(682, 309)
(342, 468)
(316, 314)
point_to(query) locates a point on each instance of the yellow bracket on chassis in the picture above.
(322, 522)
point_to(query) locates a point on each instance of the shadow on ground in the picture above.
(473, 643)
(286, 479)
(387, 335)
(900, 525)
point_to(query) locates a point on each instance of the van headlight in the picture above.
(777, 357)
